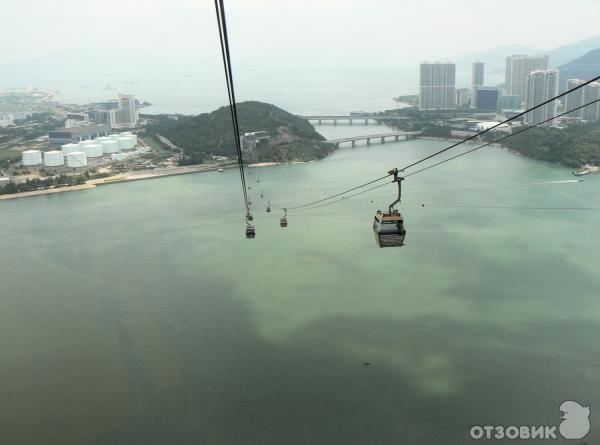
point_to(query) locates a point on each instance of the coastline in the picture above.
(141, 175)
(185, 170)
(123, 177)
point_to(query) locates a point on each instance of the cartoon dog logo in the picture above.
(576, 422)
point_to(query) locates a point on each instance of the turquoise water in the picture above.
(137, 313)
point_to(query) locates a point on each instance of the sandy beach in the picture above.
(124, 177)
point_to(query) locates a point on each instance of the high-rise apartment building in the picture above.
(574, 99)
(437, 86)
(541, 85)
(518, 68)
(476, 79)
(591, 92)
(127, 115)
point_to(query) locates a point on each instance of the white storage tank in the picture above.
(32, 157)
(92, 150)
(54, 158)
(76, 159)
(125, 143)
(115, 136)
(134, 139)
(69, 148)
(102, 139)
(117, 157)
(110, 146)
(126, 133)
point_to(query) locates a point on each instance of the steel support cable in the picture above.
(502, 138)
(456, 144)
(470, 151)
(224, 40)
(510, 119)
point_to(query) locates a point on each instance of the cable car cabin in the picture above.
(389, 229)
(283, 222)
(250, 232)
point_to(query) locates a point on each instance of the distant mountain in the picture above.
(495, 58)
(585, 67)
(563, 54)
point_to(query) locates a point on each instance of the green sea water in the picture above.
(137, 313)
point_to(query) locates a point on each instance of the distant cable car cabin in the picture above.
(389, 227)
(283, 221)
(269, 207)
(250, 231)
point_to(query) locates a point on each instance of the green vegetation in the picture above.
(573, 146)
(49, 183)
(411, 99)
(292, 138)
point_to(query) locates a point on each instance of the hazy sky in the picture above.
(304, 55)
(409, 30)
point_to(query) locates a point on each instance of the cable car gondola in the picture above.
(249, 217)
(283, 221)
(269, 207)
(389, 227)
(250, 231)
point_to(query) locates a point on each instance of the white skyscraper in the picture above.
(476, 79)
(477, 74)
(126, 116)
(518, 68)
(591, 92)
(574, 99)
(437, 86)
(541, 85)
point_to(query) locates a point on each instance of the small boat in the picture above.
(582, 173)
(366, 363)
(221, 170)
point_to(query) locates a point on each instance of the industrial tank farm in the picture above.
(76, 159)
(54, 158)
(110, 146)
(32, 157)
(92, 150)
(69, 148)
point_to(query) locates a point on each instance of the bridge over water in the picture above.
(350, 118)
(381, 136)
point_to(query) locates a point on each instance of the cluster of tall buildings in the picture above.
(580, 97)
(437, 88)
(119, 113)
(529, 82)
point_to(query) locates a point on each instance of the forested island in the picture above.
(210, 134)
(575, 145)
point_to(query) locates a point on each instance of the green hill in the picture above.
(573, 146)
(292, 138)
(585, 67)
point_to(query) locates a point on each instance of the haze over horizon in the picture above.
(170, 48)
(293, 31)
